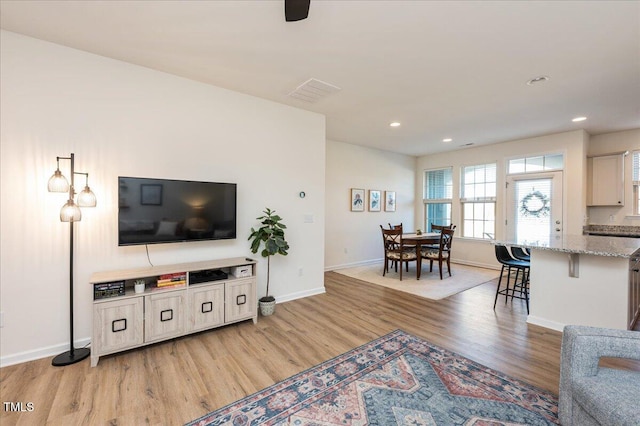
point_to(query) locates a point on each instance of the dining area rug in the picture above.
(429, 286)
(397, 379)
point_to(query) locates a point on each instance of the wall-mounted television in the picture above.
(152, 211)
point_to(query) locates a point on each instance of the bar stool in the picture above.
(520, 253)
(508, 262)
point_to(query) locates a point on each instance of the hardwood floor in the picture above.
(180, 380)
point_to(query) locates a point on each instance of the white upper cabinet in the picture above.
(605, 177)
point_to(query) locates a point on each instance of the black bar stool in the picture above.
(508, 262)
(520, 254)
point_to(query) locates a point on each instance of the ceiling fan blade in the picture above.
(296, 10)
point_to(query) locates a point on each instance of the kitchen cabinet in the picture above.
(605, 178)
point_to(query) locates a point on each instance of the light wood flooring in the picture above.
(177, 381)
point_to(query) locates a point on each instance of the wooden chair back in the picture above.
(438, 228)
(446, 239)
(395, 250)
(392, 238)
(441, 253)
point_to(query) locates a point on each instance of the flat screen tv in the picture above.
(152, 211)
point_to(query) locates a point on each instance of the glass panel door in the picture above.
(534, 207)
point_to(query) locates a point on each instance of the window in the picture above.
(478, 199)
(541, 163)
(636, 182)
(438, 189)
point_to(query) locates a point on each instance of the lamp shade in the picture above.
(58, 183)
(87, 198)
(70, 212)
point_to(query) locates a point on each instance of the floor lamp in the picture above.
(71, 213)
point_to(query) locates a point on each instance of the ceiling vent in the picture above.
(313, 90)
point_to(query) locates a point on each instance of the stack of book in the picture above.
(177, 279)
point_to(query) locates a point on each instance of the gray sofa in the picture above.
(594, 395)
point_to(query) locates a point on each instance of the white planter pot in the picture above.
(267, 308)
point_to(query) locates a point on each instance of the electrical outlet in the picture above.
(1, 319)
(346, 251)
(300, 271)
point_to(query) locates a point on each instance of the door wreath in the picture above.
(535, 204)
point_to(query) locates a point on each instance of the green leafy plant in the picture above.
(270, 236)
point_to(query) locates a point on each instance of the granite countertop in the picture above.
(584, 244)
(613, 230)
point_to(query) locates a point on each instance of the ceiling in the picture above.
(443, 69)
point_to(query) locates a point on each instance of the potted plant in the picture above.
(271, 233)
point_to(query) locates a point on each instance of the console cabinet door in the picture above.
(206, 303)
(118, 325)
(241, 300)
(164, 315)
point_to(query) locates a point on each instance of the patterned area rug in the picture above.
(398, 379)
(430, 285)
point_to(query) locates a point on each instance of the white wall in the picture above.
(121, 119)
(605, 144)
(354, 237)
(571, 144)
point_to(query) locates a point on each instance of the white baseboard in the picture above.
(300, 295)
(545, 323)
(39, 353)
(353, 265)
(52, 351)
(376, 261)
(476, 264)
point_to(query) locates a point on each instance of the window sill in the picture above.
(478, 240)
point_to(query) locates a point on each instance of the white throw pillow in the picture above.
(167, 228)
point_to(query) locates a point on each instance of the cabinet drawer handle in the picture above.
(241, 300)
(207, 307)
(118, 325)
(166, 315)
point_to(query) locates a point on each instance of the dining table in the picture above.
(419, 240)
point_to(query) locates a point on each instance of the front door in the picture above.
(534, 207)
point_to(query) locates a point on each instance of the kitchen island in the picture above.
(584, 280)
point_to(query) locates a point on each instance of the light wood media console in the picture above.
(130, 320)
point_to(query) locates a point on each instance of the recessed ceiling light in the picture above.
(539, 79)
(575, 120)
(394, 124)
(447, 140)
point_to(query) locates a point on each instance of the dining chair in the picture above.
(438, 228)
(521, 266)
(407, 245)
(395, 250)
(443, 252)
(387, 244)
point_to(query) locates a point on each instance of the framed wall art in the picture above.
(389, 201)
(375, 200)
(151, 194)
(357, 200)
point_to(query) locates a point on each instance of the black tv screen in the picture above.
(154, 211)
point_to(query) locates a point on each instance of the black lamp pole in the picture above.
(72, 355)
